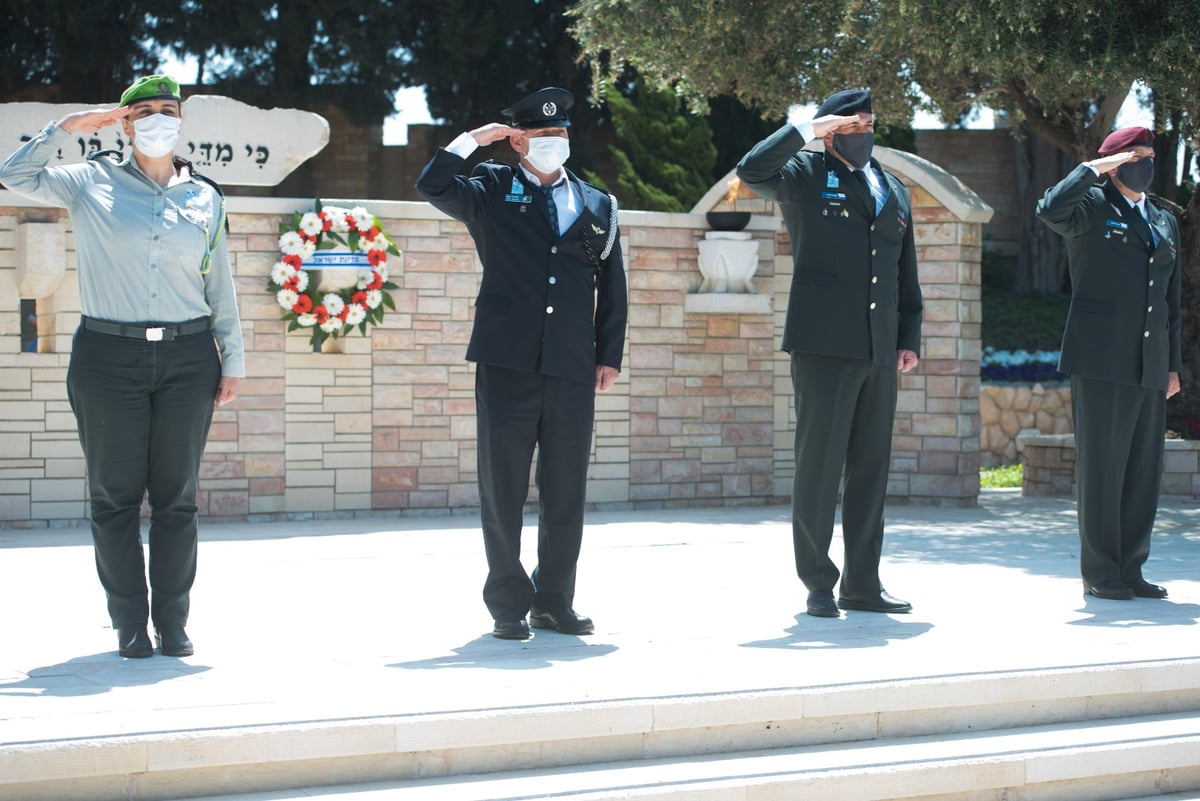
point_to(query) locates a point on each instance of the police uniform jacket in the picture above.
(855, 291)
(546, 303)
(1123, 325)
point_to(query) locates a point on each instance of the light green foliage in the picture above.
(1008, 476)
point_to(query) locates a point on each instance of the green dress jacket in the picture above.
(855, 292)
(1123, 325)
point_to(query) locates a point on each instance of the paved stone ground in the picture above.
(325, 620)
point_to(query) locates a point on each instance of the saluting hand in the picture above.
(832, 123)
(494, 132)
(1106, 164)
(93, 120)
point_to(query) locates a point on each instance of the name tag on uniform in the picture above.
(833, 196)
(516, 193)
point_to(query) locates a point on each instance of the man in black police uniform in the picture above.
(549, 333)
(853, 320)
(1121, 347)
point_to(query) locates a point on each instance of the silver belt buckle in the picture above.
(154, 334)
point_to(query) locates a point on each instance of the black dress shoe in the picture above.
(1144, 589)
(881, 603)
(511, 630)
(1112, 590)
(134, 642)
(173, 640)
(566, 621)
(820, 604)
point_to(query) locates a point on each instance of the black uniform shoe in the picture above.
(881, 603)
(1144, 589)
(1112, 590)
(173, 640)
(820, 604)
(511, 630)
(566, 621)
(134, 642)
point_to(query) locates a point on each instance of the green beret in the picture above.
(152, 87)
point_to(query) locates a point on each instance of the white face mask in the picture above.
(548, 153)
(156, 135)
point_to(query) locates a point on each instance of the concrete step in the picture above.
(637, 732)
(1097, 760)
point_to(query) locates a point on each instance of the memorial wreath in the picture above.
(350, 249)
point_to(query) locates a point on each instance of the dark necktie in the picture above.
(861, 177)
(551, 209)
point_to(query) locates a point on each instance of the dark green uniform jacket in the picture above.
(855, 291)
(547, 304)
(1123, 325)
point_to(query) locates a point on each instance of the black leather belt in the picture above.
(151, 333)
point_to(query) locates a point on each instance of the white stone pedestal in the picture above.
(728, 260)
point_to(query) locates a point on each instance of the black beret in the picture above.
(850, 101)
(1125, 138)
(545, 108)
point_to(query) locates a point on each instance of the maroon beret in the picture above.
(1125, 138)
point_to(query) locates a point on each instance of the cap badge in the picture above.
(164, 88)
(549, 109)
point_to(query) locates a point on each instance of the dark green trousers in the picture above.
(1118, 469)
(143, 410)
(845, 409)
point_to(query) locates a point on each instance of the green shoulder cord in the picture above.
(206, 265)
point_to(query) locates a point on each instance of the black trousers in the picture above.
(516, 411)
(143, 410)
(845, 409)
(1118, 463)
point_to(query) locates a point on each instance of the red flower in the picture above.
(326, 223)
(321, 313)
(344, 312)
(292, 283)
(359, 298)
(350, 223)
(374, 232)
(376, 257)
(293, 260)
(303, 305)
(376, 281)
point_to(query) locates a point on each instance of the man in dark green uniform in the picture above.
(853, 320)
(1121, 348)
(548, 335)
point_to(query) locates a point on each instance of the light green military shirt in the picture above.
(145, 254)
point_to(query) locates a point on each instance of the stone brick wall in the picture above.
(385, 425)
(1050, 467)
(1008, 411)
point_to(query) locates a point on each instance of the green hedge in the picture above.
(1023, 321)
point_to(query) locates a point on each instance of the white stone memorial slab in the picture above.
(232, 142)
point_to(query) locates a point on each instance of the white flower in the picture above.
(382, 270)
(331, 325)
(301, 280)
(362, 220)
(355, 314)
(281, 272)
(374, 298)
(290, 242)
(287, 298)
(365, 277)
(308, 319)
(336, 216)
(333, 303)
(310, 223)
